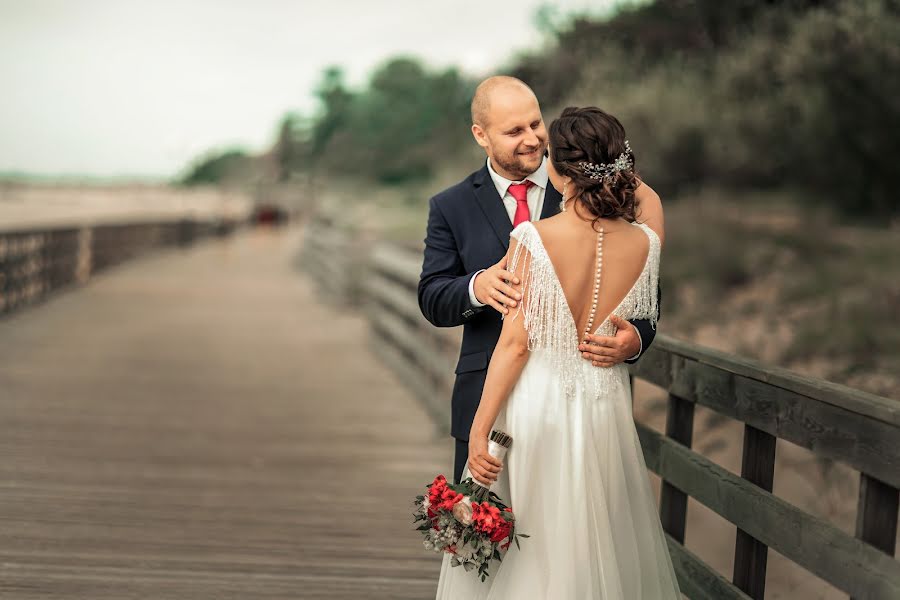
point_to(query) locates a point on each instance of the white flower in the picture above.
(462, 511)
(466, 551)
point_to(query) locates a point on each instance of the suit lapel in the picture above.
(492, 206)
(551, 201)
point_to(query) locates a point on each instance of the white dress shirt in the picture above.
(535, 198)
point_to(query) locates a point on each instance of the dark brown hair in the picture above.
(592, 135)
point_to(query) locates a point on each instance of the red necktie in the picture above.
(519, 191)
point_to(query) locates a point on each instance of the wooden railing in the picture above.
(381, 279)
(832, 421)
(36, 261)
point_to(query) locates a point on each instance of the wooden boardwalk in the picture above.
(195, 424)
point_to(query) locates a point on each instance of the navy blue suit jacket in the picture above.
(468, 230)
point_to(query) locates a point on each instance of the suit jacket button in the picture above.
(468, 313)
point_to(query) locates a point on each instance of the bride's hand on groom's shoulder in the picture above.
(491, 287)
(483, 467)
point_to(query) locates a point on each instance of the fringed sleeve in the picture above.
(548, 321)
(642, 302)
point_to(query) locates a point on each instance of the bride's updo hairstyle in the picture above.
(584, 142)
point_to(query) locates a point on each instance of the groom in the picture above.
(463, 280)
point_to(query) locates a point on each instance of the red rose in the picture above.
(486, 518)
(501, 531)
(438, 487)
(448, 499)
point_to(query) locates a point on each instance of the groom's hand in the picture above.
(606, 351)
(490, 288)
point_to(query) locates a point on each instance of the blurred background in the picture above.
(769, 129)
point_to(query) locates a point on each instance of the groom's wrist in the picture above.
(640, 343)
(472, 298)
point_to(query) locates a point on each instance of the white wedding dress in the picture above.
(575, 474)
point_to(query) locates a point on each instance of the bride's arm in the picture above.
(507, 362)
(650, 210)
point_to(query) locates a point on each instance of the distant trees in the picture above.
(746, 93)
(397, 128)
(336, 106)
(219, 167)
(799, 93)
(291, 149)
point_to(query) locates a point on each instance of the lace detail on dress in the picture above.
(549, 322)
(642, 301)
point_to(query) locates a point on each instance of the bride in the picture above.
(575, 475)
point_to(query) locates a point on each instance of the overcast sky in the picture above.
(129, 87)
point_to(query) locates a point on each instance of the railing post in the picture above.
(84, 258)
(4, 274)
(672, 501)
(187, 232)
(750, 555)
(876, 513)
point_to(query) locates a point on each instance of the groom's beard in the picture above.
(519, 164)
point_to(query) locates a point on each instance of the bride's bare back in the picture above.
(571, 244)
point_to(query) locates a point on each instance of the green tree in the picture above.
(219, 167)
(336, 102)
(291, 147)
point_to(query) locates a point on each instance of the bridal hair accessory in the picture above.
(467, 520)
(607, 170)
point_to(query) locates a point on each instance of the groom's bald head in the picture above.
(498, 87)
(507, 123)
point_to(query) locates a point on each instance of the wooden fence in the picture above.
(37, 261)
(381, 280)
(834, 422)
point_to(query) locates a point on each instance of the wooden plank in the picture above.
(842, 560)
(696, 579)
(411, 344)
(435, 400)
(401, 301)
(400, 264)
(853, 400)
(398, 299)
(864, 442)
(208, 453)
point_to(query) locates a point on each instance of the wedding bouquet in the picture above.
(467, 520)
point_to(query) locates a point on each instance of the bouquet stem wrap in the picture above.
(499, 443)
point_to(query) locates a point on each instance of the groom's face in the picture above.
(513, 135)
